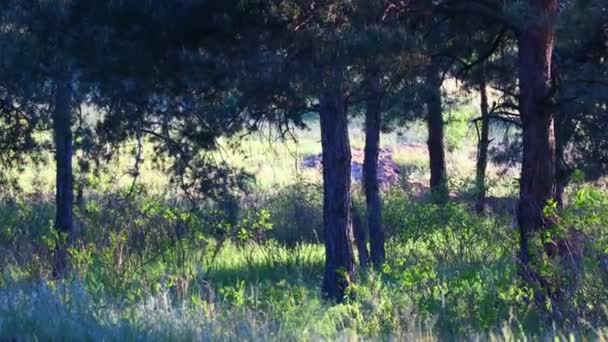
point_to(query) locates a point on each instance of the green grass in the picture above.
(449, 275)
(247, 296)
(268, 263)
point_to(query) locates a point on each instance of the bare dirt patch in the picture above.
(389, 173)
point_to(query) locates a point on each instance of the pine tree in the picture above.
(48, 72)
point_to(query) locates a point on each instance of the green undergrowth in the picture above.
(145, 268)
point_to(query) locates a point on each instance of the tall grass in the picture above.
(164, 275)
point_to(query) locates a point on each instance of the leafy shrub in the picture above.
(459, 127)
(577, 272)
(456, 266)
(125, 242)
(25, 234)
(297, 213)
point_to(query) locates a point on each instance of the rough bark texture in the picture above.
(537, 184)
(370, 179)
(339, 262)
(360, 237)
(64, 195)
(484, 143)
(435, 142)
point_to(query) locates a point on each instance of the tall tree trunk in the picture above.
(370, 177)
(537, 183)
(484, 143)
(436, 148)
(64, 195)
(339, 259)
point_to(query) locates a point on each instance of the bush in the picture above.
(458, 130)
(123, 242)
(297, 213)
(456, 266)
(577, 274)
(24, 235)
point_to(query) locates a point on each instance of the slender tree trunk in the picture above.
(80, 197)
(565, 128)
(436, 148)
(360, 237)
(570, 247)
(64, 195)
(537, 183)
(484, 143)
(562, 175)
(339, 262)
(370, 177)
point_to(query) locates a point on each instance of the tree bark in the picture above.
(484, 143)
(439, 189)
(64, 195)
(339, 259)
(370, 177)
(537, 183)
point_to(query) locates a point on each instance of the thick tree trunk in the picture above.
(64, 199)
(370, 178)
(436, 148)
(537, 184)
(339, 262)
(484, 143)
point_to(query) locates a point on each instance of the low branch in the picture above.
(499, 118)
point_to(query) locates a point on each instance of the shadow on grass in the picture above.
(309, 272)
(303, 264)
